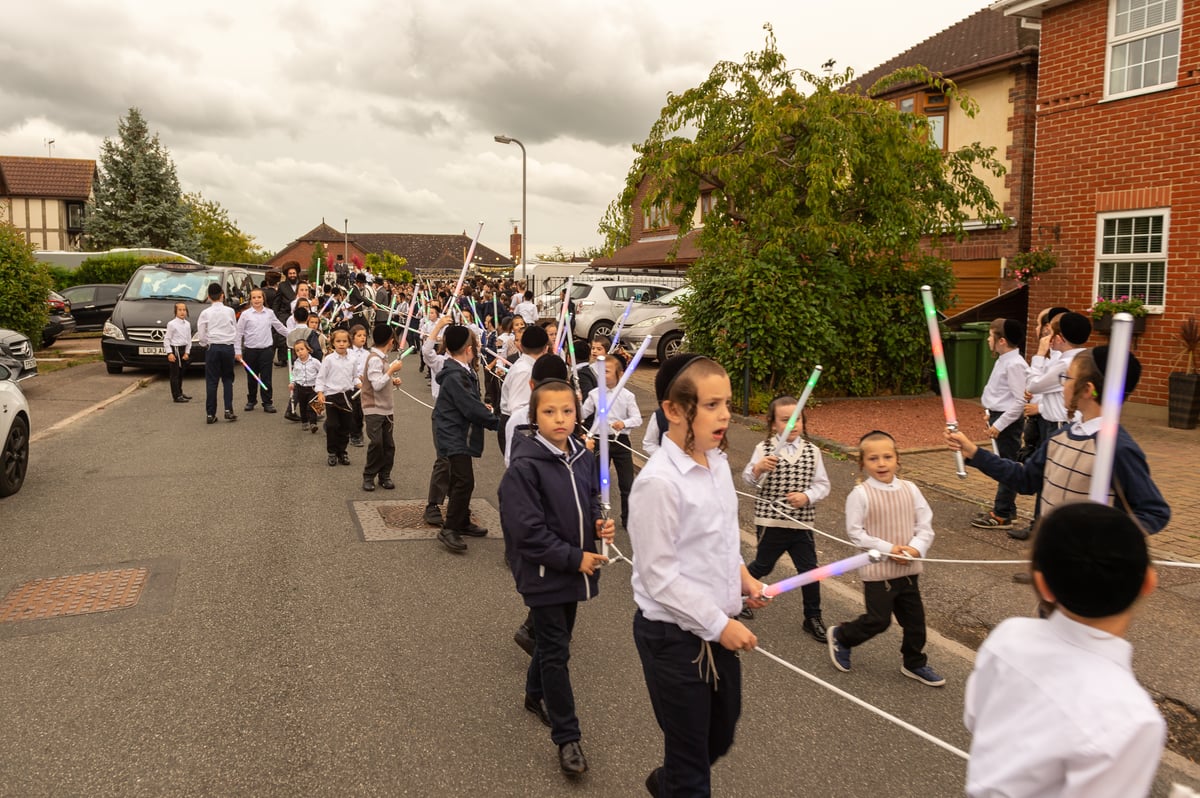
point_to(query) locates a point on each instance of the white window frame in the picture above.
(1114, 41)
(1141, 257)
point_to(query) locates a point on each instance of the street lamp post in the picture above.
(524, 233)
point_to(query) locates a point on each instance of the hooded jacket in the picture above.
(459, 416)
(549, 505)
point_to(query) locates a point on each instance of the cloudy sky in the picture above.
(290, 111)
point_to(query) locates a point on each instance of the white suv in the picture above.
(14, 433)
(599, 303)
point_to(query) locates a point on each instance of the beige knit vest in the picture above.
(891, 515)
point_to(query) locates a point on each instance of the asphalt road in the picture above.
(275, 652)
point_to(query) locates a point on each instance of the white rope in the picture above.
(415, 399)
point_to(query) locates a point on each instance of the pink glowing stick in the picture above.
(462, 275)
(1110, 406)
(939, 364)
(824, 572)
(602, 418)
(255, 376)
(562, 317)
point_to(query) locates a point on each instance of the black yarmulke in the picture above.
(668, 370)
(534, 338)
(1133, 368)
(547, 367)
(1014, 333)
(456, 337)
(1075, 328)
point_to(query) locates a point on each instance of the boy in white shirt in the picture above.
(623, 415)
(1004, 402)
(216, 329)
(178, 343)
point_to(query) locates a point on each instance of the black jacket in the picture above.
(459, 416)
(549, 505)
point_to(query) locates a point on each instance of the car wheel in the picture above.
(670, 345)
(602, 327)
(48, 342)
(114, 368)
(14, 460)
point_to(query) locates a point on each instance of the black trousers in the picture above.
(697, 716)
(502, 432)
(176, 369)
(460, 485)
(357, 430)
(900, 597)
(303, 394)
(381, 449)
(218, 368)
(1008, 443)
(263, 363)
(339, 420)
(773, 542)
(548, 676)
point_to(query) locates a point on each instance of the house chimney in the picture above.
(514, 245)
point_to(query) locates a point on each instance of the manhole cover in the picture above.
(78, 594)
(405, 520)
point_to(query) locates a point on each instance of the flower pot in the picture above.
(1104, 324)
(1183, 400)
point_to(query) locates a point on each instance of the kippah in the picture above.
(534, 337)
(214, 290)
(1075, 328)
(668, 371)
(382, 335)
(455, 337)
(1057, 310)
(1133, 368)
(548, 366)
(1093, 558)
(1014, 333)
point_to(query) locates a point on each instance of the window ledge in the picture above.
(1112, 98)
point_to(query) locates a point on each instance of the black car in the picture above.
(59, 322)
(134, 333)
(91, 305)
(16, 352)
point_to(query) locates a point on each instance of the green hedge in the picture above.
(24, 286)
(115, 269)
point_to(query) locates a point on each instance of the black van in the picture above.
(134, 334)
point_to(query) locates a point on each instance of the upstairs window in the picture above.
(1143, 46)
(934, 107)
(656, 217)
(1132, 257)
(74, 216)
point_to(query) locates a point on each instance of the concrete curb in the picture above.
(87, 411)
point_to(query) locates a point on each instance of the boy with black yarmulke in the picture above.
(1053, 703)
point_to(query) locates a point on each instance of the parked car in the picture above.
(134, 334)
(60, 321)
(91, 305)
(16, 353)
(14, 432)
(599, 303)
(659, 318)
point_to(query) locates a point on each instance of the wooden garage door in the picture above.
(978, 281)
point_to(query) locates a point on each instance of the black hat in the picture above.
(1057, 310)
(547, 367)
(1014, 333)
(456, 337)
(1133, 368)
(668, 371)
(1093, 558)
(360, 277)
(1075, 328)
(534, 338)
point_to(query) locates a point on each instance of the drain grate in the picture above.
(405, 519)
(78, 594)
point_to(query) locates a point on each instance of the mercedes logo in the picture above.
(157, 334)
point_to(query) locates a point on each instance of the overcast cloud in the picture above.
(290, 111)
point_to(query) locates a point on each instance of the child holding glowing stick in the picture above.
(790, 479)
(889, 515)
(689, 579)
(623, 415)
(335, 381)
(303, 384)
(550, 513)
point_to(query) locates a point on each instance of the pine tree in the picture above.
(138, 202)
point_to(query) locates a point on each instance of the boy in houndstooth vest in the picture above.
(790, 478)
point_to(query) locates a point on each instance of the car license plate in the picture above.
(30, 363)
(151, 350)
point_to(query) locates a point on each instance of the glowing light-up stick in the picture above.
(462, 275)
(1110, 406)
(255, 376)
(939, 365)
(602, 418)
(824, 572)
(620, 326)
(290, 378)
(562, 316)
(633, 364)
(408, 316)
(791, 422)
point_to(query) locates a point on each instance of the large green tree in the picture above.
(138, 202)
(220, 239)
(811, 252)
(389, 265)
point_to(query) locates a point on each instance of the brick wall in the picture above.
(1126, 154)
(302, 252)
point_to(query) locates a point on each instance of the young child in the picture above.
(378, 380)
(358, 353)
(178, 343)
(623, 415)
(890, 515)
(791, 474)
(1053, 705)
(215, 329)
(318, 342)
(551, 521)
(1003, 401)
(335, 382)
(305, 369)
(688, 578)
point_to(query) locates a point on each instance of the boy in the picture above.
(303, 386)
(1004, 402)
(378, 378)
(178, 343)
(216, 329)
(254, 347)
(459, 418)
(515, 392)
(1053, 705)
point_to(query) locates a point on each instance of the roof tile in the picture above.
(51, 178)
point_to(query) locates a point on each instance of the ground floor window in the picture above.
(1131, 256)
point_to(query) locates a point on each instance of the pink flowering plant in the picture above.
(1027, 267)
(1133, 305)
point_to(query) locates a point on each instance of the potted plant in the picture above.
(1027, 267)
(1183, 391)
(1103, 310)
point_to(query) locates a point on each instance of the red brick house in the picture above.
(652, 240)
(45, 198)
(1118, 172)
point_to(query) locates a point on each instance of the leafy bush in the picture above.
(114, 268)
(24, 285)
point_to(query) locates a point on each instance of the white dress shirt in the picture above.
(516, 391)
(217, 324)
(622, 407)
(1005, 389)
(304, 372)
(528, 311)
(179, 333)
(337, 374)
(856, 514)
(683, 525)
(653, 437)
(1043, 377)
(434, 361)
(254, 329)
(519, 418)
(1055, 710)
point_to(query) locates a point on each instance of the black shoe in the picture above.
(1023, 578)
(524, 638)
(571, 759)
(815, 627)
(1020, 533)
(249, 406)
(452, 540)
(230, 415)
(538, 707)
(652, 782)
(290, 416)
(332, 459)
(312, 428)
(386, 483)
(344, 458)
(211, 420)
(368, 483)
(181, 400)
(746, 614)
(356, 440)
(433, 516)
(269, 409)
(185, 396)
(474, 531)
